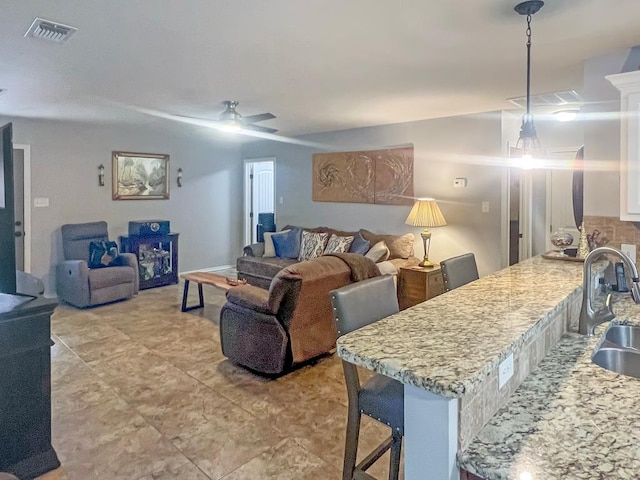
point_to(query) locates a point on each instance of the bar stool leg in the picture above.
(351, 443)
(394, 460)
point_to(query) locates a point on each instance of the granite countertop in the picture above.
(487, 320)
(570, 419)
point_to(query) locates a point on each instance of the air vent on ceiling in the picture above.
(51, 31)
(554, 99)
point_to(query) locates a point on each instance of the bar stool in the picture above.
(458, 271)
(381, 397)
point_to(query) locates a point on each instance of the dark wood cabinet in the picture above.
(25, 386)
(157, 258)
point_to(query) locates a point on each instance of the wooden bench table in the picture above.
(202, 278)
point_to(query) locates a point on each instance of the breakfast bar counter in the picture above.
(447, 351)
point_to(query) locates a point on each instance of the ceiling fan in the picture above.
(232, 119)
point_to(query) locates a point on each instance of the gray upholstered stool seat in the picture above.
(381, 397)
(458, 271)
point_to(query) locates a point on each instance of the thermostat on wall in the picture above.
(460, 182)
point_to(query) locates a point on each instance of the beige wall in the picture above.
(65, 156)
(602, 135)
(467, 146)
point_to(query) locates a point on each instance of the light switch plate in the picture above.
(41, 202)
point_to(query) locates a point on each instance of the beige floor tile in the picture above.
(285, 461)
(130, 456)
(141, 391)
(188, 471)
(218, 452)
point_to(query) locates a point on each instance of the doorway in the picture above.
(259, 194)
(539, 202)
(21, 204)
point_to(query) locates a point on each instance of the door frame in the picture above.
(26, 149)
(246, 233)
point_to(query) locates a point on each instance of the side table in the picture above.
(418, 284)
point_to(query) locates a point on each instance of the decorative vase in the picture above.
(583, 244)
(561, 239)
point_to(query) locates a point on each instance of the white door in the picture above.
(21, 203)
(259, 194)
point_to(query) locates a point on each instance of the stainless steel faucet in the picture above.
(589, 318)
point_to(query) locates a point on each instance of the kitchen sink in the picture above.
(624, 335)
(620, 360)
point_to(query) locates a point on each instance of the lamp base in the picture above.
(426, 263)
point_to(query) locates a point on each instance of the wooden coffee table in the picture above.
(202, 278)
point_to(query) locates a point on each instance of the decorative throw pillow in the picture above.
(287, 245)
(400, 246)
(360, 245)
(379, 252)
(269, 248)
(338, 244)
(312, 245)
(102, 254)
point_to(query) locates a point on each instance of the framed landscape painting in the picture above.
(140, 176)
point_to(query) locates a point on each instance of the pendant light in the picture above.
(528, 142)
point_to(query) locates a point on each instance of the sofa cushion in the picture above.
(400, 246)
(312, 245)
(338, 244)
(108, 277)
(359, 245)
(287, 245)
(379, 252)
(269, 247)
(266, 267)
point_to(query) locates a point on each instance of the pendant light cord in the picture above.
(528, 66)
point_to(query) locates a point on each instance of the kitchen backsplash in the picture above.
(615, 230)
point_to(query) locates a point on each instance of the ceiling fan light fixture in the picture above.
(528, 142)
(229, 115)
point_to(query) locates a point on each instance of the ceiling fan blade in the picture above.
(259, 128)
(261, 117)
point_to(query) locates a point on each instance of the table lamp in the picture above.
(426, 213)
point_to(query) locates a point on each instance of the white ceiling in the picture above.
(318, 65)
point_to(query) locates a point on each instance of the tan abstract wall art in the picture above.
(375, 176)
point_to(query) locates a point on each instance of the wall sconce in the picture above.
(101, 175)
(179, 177)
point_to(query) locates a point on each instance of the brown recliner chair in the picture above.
(82, 286)
(269, 331)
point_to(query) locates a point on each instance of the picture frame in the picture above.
(140, 176)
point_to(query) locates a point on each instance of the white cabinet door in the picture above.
(629, 86)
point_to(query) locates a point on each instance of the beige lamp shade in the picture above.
(426, 213)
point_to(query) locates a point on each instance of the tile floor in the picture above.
(141, 391)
